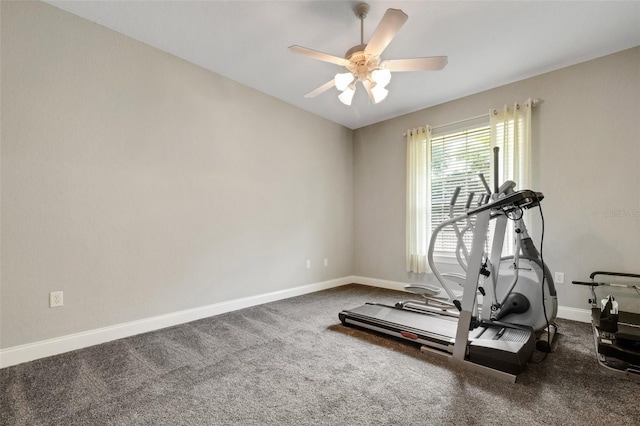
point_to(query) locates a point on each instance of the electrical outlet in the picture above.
(326, 262)
(308, 264)
(55, 299)
(559, 278)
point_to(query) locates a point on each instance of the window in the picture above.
(456, 160)
(438, 163)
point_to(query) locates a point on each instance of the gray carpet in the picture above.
(292, 363)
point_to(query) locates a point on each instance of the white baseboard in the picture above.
(36, 350)
(565, 312)
(575, 314)
(375, 282)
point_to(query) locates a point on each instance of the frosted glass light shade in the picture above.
(342, 80)
(382, 77)
(346, 96)
(379, 93)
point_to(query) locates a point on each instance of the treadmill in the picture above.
(499, 346)
(496, 348)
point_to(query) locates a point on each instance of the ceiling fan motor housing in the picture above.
(361, 64)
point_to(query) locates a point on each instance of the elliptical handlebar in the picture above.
(469, 200)
(484, 183)
(454, 197)
(496, 177)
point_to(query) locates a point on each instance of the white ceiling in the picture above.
(489, 43)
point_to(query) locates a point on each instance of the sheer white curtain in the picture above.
(511, 132)
(418, 200)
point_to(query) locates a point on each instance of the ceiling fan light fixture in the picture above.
(364, 63)
(347, 95)
(379, 93)
(343, 80)
(381, 77)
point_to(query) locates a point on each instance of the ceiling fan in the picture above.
(363, 61)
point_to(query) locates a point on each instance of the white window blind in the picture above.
(456, 160)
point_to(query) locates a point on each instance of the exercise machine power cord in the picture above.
(544, 277)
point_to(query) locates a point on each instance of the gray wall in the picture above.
(140, 184)
(586, 141)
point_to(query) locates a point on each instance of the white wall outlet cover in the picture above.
(56, 299)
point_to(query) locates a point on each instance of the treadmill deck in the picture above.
(504, 347)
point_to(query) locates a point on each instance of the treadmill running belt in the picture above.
(428, 324)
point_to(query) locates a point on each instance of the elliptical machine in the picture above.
(524, 291)
(506, 302)
(516, 289)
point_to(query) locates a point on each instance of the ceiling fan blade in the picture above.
(433, 63)
(367, 86)
(318, 55)
(390, 24)
(328, 85)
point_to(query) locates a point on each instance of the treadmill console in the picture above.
(524, 199)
